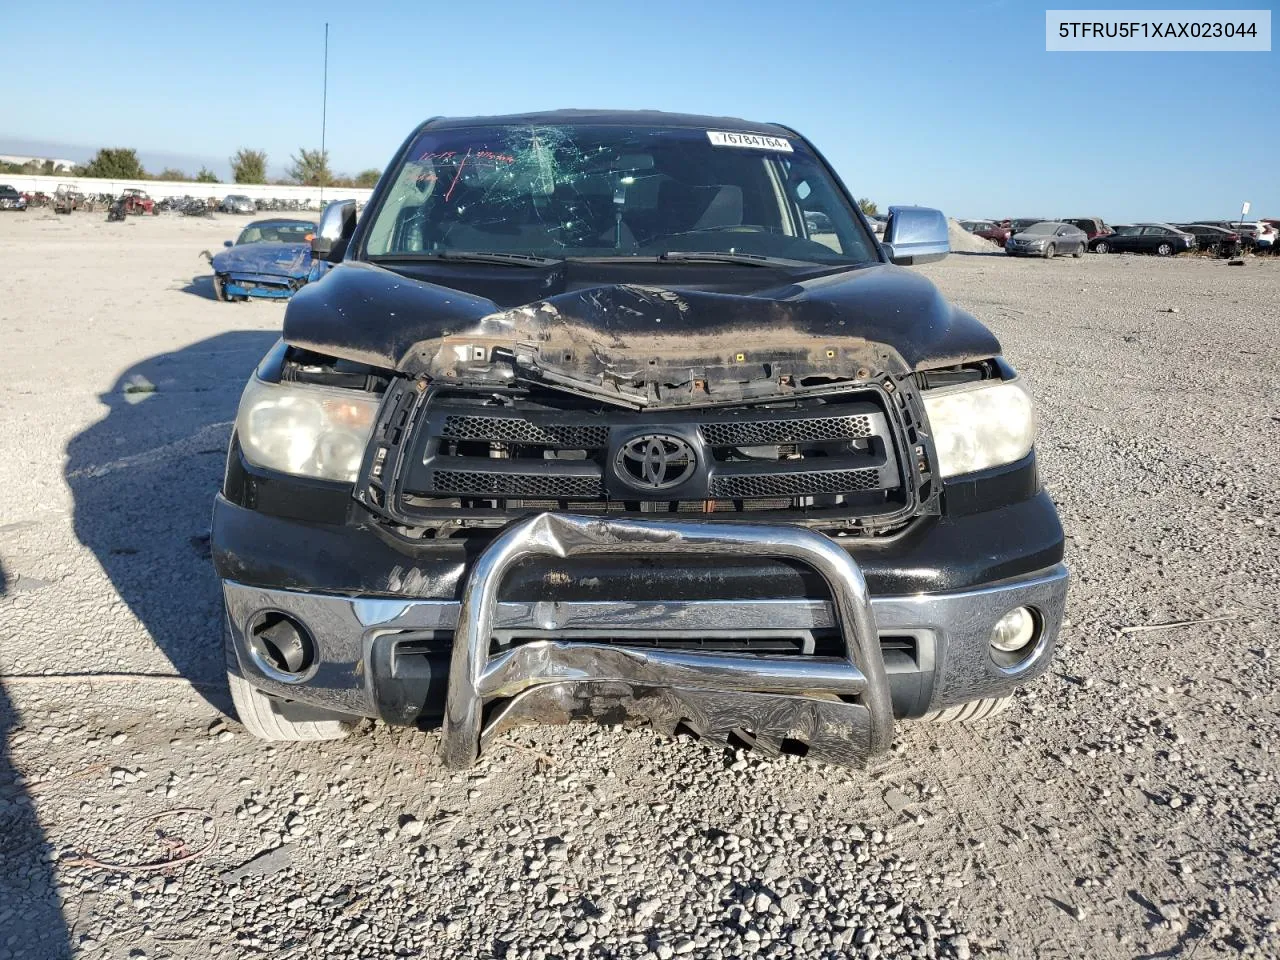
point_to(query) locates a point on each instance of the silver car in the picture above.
(1047, 239)
(239, 203)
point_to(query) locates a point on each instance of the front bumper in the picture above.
(262, 286)
(487, 665)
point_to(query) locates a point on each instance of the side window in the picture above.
(814, 205)
(1151, 231)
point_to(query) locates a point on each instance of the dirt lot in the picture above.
(1125, 807)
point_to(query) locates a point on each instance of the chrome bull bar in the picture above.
(773, 703)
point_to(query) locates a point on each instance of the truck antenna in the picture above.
(324, 111)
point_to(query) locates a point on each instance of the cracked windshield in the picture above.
(615, 191)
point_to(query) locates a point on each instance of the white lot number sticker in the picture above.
(749, 141)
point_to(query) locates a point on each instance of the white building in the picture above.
(58, 165)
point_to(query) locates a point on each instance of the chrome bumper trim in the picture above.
(952, 630)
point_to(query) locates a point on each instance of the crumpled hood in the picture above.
(880, 317)
(275, 259)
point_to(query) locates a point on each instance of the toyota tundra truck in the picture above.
(629, 416)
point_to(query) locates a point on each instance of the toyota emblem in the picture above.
(655, 461)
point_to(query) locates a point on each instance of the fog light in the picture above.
(1014, 630)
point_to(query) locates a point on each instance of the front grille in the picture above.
(810, 482)
(451, 453)
(751, 433)
(515, 430)
(474, 483)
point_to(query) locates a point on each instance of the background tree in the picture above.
(310, 168)
(171, 173)
(868, 206)
(368, 178)
(206, 176)
(115, 163)
(249, 166)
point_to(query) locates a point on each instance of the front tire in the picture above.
(219, 291)
(974, 711)
(1165, 250)
(1102, 247)
(1050, 251)
(266, 718)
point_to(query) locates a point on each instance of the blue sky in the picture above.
(950, 104)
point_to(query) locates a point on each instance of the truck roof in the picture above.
(656, 118)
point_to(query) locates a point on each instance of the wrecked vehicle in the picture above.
(585, 422)
(67, 199)
(270, 258)
(11, 199)
(237, 203)
(137, 202)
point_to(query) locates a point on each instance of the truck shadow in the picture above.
(31, 921)
(143, 480)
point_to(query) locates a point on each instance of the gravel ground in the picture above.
(1125, 806)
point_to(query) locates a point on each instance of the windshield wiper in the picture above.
(747, 259)
(469, 256)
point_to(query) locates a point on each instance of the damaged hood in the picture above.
(641, 342)
(275, 259)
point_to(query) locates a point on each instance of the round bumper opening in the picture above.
(280, 646)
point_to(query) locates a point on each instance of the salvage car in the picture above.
(270, 259)
(11, 199)
(1047, 239)
(1161, 239)
(582, 424)
(238, 203)
(1214, 240)
(987, 230)
(998, 232)
(1093, 227)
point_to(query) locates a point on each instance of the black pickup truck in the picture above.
(594, 416)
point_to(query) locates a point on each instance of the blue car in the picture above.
(270, 258)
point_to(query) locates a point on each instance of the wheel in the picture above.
(1079, 252)
(266, 718)
(1165, 250)
(1102, 247)
(1049, 251)
(219, 293)
(971, 712)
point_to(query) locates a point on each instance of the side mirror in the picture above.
(916, 235)
(337, 224)
(228, 243)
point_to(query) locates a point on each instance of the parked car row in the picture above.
(1049, 238)
(67, 199)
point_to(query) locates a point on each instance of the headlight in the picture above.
(305, 430)
(976, 427)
